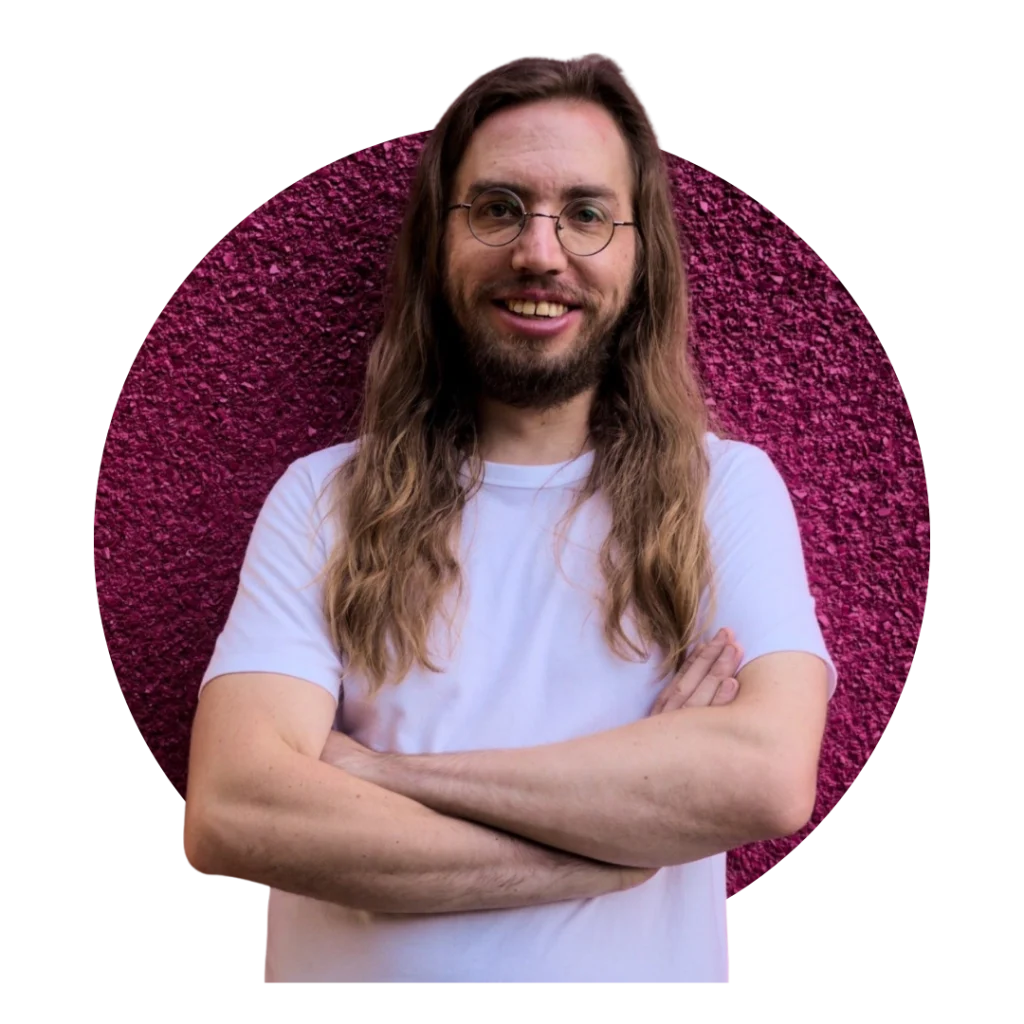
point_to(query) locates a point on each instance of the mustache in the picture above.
(557, 292)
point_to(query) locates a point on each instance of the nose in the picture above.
(537, 249)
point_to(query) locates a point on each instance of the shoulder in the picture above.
(740, 473)
(302, 501)
(724, 451)
(308, 480)
(319, 468)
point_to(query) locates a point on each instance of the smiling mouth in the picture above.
(536, 310)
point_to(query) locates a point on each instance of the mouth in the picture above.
(544, 310)
(537, 320)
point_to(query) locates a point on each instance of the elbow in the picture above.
(204, 839)
(788, 804)
(198, 847)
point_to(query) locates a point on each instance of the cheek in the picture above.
(459, 256)
(615, 282)
(630, 271)
(468, 269)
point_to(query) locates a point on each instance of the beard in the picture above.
(517, 370)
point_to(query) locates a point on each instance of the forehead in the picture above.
(547, 148)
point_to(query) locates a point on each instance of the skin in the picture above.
(536, 394)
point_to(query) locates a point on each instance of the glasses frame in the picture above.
(526, 215)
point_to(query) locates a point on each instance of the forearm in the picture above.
(665, 790)
(322, 833)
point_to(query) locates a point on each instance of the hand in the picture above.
(706, 678)
(344, 752)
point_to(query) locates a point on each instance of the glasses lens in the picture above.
(496, 217)
(585, 227)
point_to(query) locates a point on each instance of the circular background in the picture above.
(259, 359)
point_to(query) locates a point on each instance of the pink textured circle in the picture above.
(259, 359)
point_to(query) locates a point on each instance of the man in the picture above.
(511, 595)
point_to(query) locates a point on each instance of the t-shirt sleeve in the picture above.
(276, 623)
(762, 591)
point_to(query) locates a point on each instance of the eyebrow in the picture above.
(569, 193)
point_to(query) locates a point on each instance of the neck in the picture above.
(535, 437)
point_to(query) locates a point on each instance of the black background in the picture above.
(840, 172)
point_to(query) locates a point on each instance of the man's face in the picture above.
(540, 151)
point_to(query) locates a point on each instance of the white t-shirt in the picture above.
(530, 666)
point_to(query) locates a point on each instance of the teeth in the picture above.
(548, 309)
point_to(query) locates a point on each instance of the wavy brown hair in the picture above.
(400, 497)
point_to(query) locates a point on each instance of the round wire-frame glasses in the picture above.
(524, 216)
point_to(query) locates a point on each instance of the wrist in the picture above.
(632, 877)
(376, 767)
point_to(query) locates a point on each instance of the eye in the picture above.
(497, 208)
(587, 214)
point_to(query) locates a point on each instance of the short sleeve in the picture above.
(276, 623)
(761, 585)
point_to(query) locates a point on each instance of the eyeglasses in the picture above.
(498, 216)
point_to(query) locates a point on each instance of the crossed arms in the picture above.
(501, 828)
(669, 789)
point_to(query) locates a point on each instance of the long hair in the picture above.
(400, 497)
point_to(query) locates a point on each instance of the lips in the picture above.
(535, 302)
(544, 326)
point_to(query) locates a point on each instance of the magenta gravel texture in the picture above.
(259, 358)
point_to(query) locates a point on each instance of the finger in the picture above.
(738, 658)
(723, 667)
(671, 687)
(700, 661)
(663, 698)
(674, 703)
(710, 693)
(682, 685)
(701, 695)
(723, 636)
(704, 693)
(726, 692)
(688, 663)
